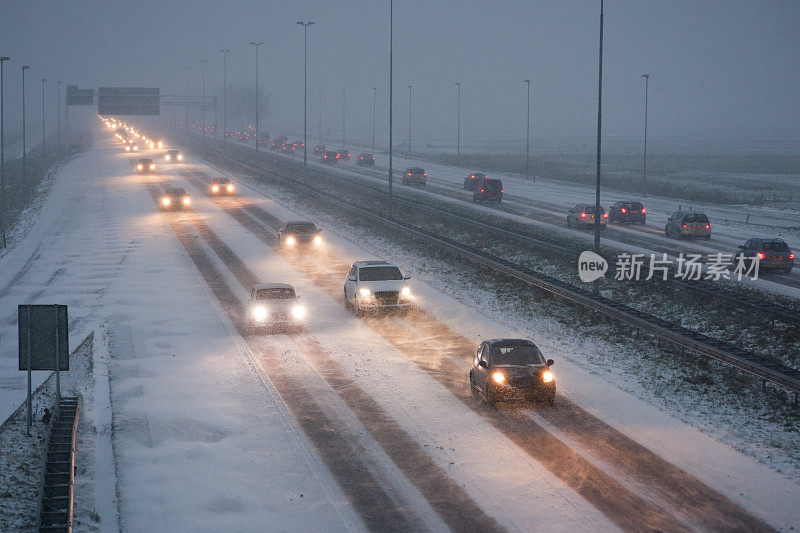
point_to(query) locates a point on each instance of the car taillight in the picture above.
(605, 215)
(643, 211)
(622, 210)
(409, 173)
(708, 226)
(501, 190)
(684, 225)
(583, 215)
(424, 173)
(791, 256)
(482, 190)
(761, 255)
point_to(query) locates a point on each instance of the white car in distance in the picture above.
(377, 285)
(275, 307)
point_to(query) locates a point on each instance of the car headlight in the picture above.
(161, 145)
(180, 157)
(215, 188)
(152, 167)
(259, 312)
(139, 167)
(230, 188)
(365, 293)
(290, 241)
(187, 201)
(405, 292)
(168, 158)
(547, 376)
(298, 312)
(317, 240)
(499, 378)
(166, 201)
(135, 148)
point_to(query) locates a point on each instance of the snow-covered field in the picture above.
(203, 440)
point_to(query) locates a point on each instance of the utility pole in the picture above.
(599, 131)
(187, 100)
(305, 26)
(374, 100)
(44, 133)
(24, 145)
(225, 96)
(458, 127)
(203, 98)
(319, 95)
(644, 163)
(2, 155)
(256, 44)
(58, 104)
(391, 100)
(528, 136)
(409, 119)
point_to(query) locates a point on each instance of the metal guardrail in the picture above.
(755, 364)
(59, 471)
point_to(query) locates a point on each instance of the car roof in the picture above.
(298, 222)
(175, 190)
(373, 263)
(261, 286)
(509, 340)
(220, 179)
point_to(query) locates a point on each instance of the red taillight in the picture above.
(761, 255)
(501, 190)
(409, 173)
(583, 215)
(424, 173)
(605, 215)
(684, 225)
(643, 211)
(622, 210)
(482, 190)
(708, 226)
(791, 256)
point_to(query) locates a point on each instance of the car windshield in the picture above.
(516, 355)
(416, 171)
(633, 206)
(379, 273)
(775, 246)
(493, 184)
(275, 293)
(592, 210)
(301, 227)
(697, 218)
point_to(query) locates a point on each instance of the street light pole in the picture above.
(44, 134)
(187, 100)
(391, 99)
(256, 44)
(528, 134)
(344, 104)
(374, 99)
(644, 164)
(224, 96)
(458, 127)
(203, 98)
(319, 95)
(58, 110)
(24, 145)
(2, 155)
(599, 132)
(305, 26)
(409, 119)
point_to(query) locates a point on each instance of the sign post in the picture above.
(43, 344)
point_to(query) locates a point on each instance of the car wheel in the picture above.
(472, 387)
(491, 397)
(666, 232)
(569, 222)
(347, 304)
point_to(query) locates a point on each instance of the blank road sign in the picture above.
(127, 101)
(44, 329)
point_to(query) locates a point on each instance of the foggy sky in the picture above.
(718, 69)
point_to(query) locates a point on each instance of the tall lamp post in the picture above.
(24, 146)
(409, 119)
(528, 134)
(256, 44)
(599, 130)
(458, 120)
(187, 99)
(319, 96)
(344, 107)
(2, 154)
(374, 100)
(644, 163)
(203, 98)
(391, 99)
(305, 26)
(58, 110)
(225, 96)
(44, 134)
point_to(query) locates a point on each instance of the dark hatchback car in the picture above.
(471, 181)
(488, 190)
(299, 233)
(175, 198)
(343, 154)
(773, 254)
(329, 157)
(366, 159)
(627, 213)
(512, 369)
(219, 186)
(145, 165)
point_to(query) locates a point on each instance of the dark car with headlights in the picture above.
(366, 159)
(173, 156)
(627, 213)
(512, 369)
(773, 254)
(175, 198)
(299, 233)
(219, 186)
(145, 165)
(330, 157)
(488, 190)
